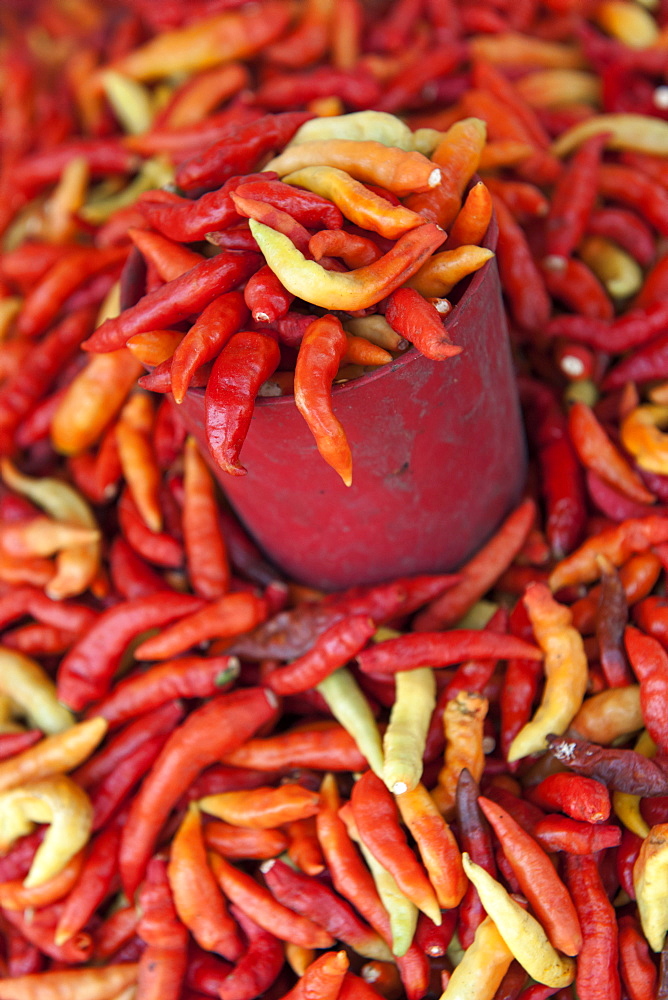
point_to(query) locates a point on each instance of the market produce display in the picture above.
(214, 780)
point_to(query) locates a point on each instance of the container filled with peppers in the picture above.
(366, 230)
(214, 780)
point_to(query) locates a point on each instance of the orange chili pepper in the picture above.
(154, 346)
(458, 156)
(322, 979)
(400, 171)
(244, 842)
(355, 251)
(436, 844)
(137, 458)
(168, 258)
(463, 727)
(597, 452)
(617, 543)
(197, 898)
(206, 553)
(473, 218)
(304, 847)
(92, 400)
(15, 896)
(263, 807)
(322, 348)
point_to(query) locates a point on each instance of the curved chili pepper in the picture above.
(416, 319)
(335, 647)
(175, 300)
(617, 543)
(579, 797)
(306, 207)
(240, 150)
(265, 296)
(621, 770)
(245, 362)
(353, 290)
(638, 972)
(86, 672)
(354, 250)
(207, 733)
(258, 968)
(323, 346)
(195, 893)
(611, 619)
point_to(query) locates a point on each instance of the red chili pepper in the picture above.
(22, 391)
(377, 818)
(188, 221)
(205, 972)
(625, 859)
(130, 575)
(13, 743)
(162, 966)
(579, 797)
(112, 791)
(578, 288)
(573, 199)
(636, 190)
(419, 73)
(520, 276)
(358, 89)
(636, 966)
(316, 900)
(157, 547)
(537, 879)
(267, 299)
(240, 150)
(94, 884)
(650, 665)
(309, 209)
(354, 250)
(417, 320)
(115, 931)
(124, 744)
(175, 300)
(597, 974)
(210, 332)
(210, 731)
(86, 672)
(245, 362)
(259, 967)
(480, 572)
(441, 649)
(558, 833)
(334, 648)
(626, 229)
(103, 156)
(475, 674)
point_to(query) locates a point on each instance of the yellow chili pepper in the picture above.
(521, 932)
(379, 126)
(361, 206)
(508, 48)
(627, 806)
(616, 269)
(624, 130)
(349, 706)
(566, 671)
(441, 272)
(485, 963)
(608, 715)
(33, 691)
(463, 720)
(397, 170)
(353, 290)
(44, 536)
(650, 876)
(642, 437)
(62, 804)
(103, 983)
(630, 23)
(77, 567)
(63, 751)
(553, 88)
(377, 330)
(406, 733)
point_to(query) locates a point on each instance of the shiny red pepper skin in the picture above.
(246, 361)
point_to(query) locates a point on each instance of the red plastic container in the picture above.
(438, 460)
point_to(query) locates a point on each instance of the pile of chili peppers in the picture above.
(215, 782)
